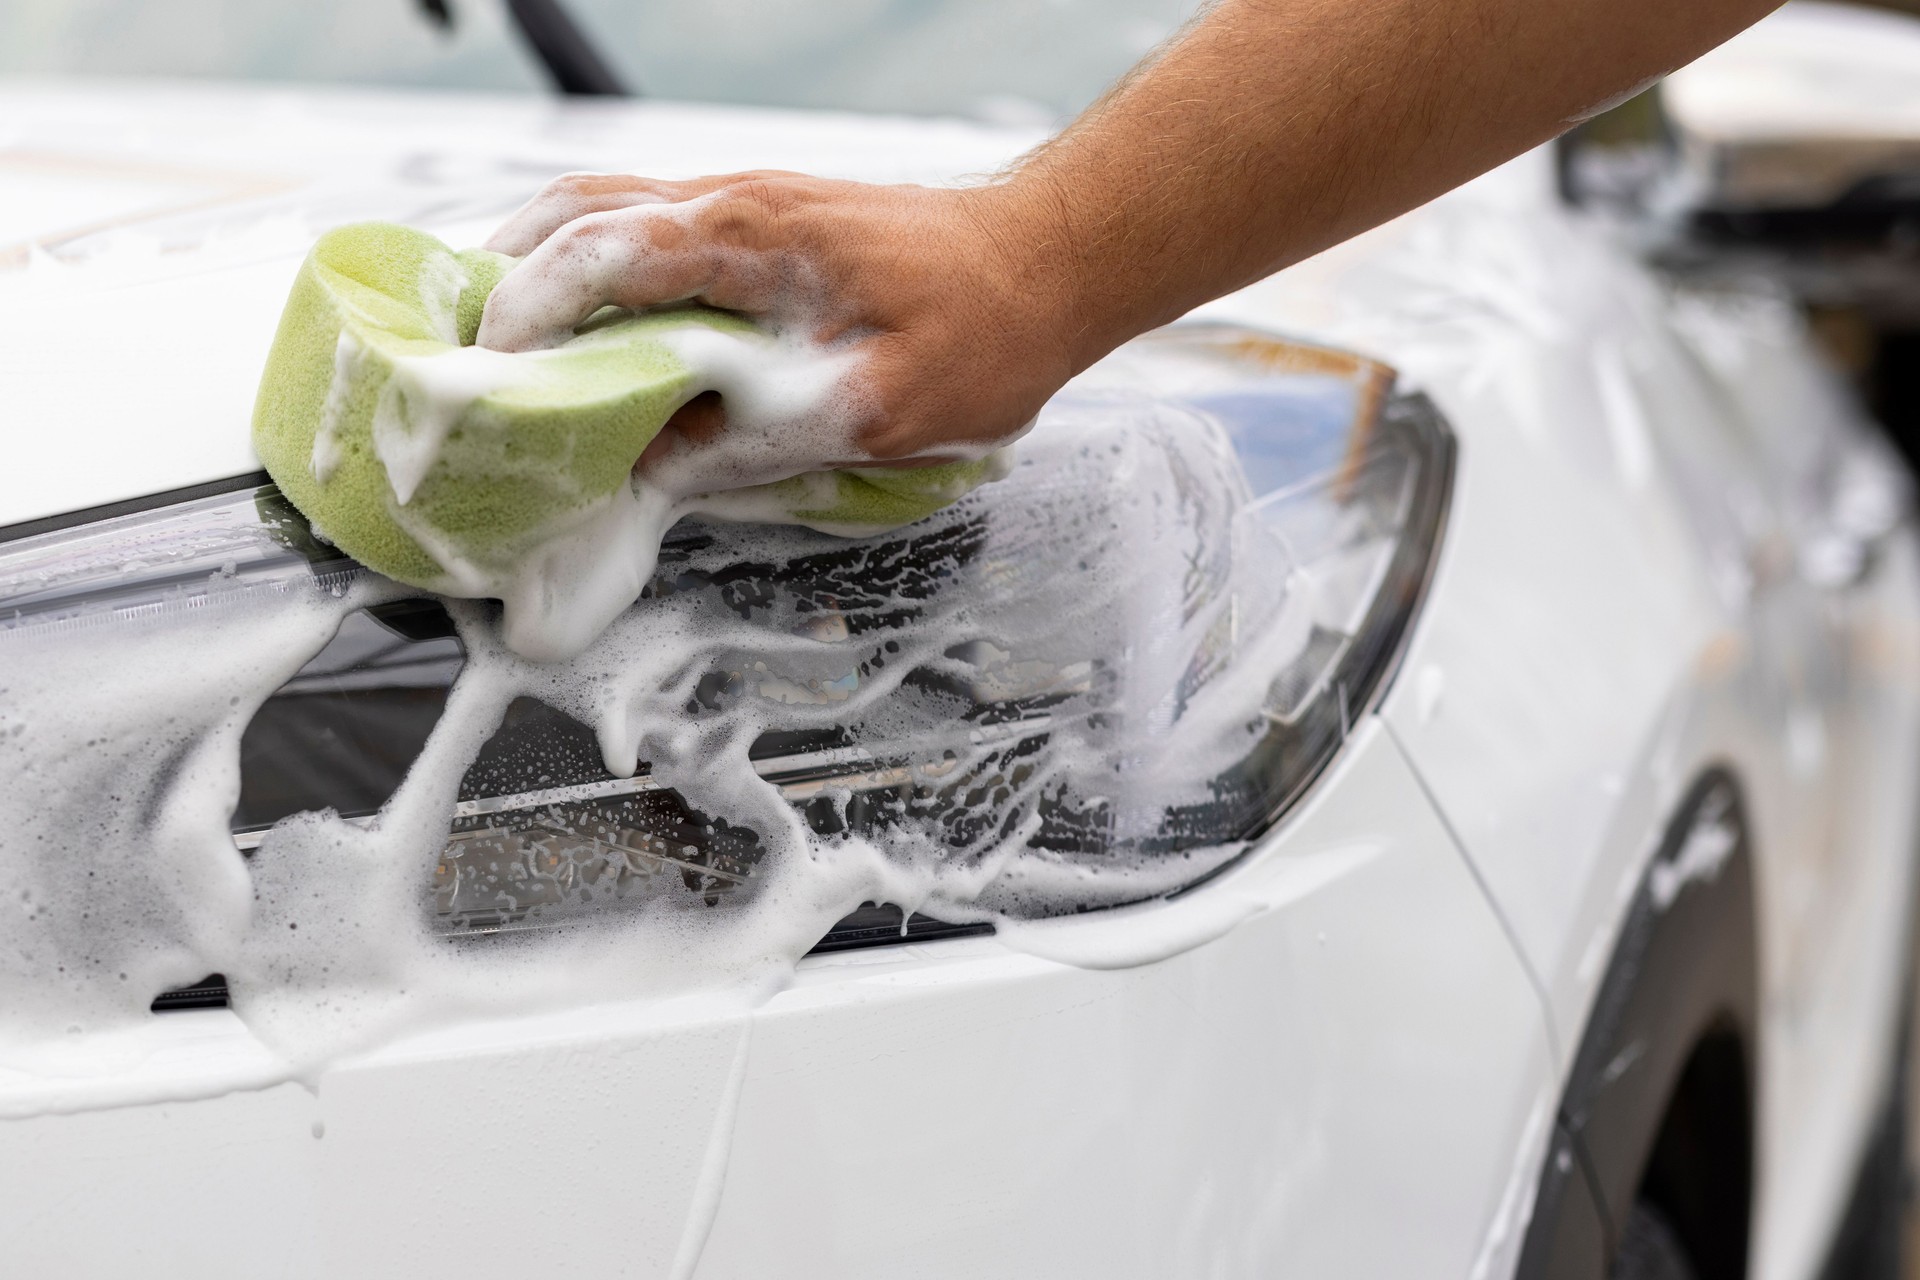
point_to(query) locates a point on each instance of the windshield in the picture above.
(1010, 61)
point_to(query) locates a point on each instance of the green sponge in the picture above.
(426, 457)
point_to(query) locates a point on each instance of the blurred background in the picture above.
(1006, 61)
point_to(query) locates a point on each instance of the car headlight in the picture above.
(1092, 682)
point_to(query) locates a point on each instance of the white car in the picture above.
(1412, 775)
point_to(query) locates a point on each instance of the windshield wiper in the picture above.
(574, 64)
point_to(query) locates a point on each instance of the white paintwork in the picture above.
(1593, 656)
(1364, 1047)
(1375, 1048)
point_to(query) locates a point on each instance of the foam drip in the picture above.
(422, 402)
(1110, 585)
(791, 407)
(122, 758)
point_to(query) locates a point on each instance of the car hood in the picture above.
(151, 232)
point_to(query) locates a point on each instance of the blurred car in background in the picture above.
(1554, 921)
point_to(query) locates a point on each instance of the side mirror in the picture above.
(1797, 143)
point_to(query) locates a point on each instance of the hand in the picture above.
(956, 331)
(1265, 132)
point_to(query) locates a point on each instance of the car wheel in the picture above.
(1649, 1250)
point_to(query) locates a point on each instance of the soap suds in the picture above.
(441, 280)
(794, 405)
(328, 452)
(121, 750)
(713, 1166)
(1710, 841)
(422, 401)
(791, 405)
(1113, 595)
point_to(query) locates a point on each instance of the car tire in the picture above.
(1649, 1250)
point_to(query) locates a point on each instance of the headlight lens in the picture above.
(1097, 679)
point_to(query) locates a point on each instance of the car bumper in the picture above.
(1338, 1065)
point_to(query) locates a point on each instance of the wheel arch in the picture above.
(1660, 1100)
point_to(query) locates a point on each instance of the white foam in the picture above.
(1112, 571)
(792, 409)
(713, 1167)
(1709, 843)
(441, 280)
(328, 452)
(422, 401)
(794, 404)
(121, 751)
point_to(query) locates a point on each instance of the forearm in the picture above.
(1272, 129)
(1267, 131)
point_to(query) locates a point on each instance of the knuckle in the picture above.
(892, 441)
(745, 216)
(587, 182)
(769, 196)
(767, 211)
(585, 190)
(586, 233)
(570, 186)
(581, 231)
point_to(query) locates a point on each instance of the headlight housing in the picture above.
(1093, 682)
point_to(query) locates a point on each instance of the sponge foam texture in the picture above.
(411, 448)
